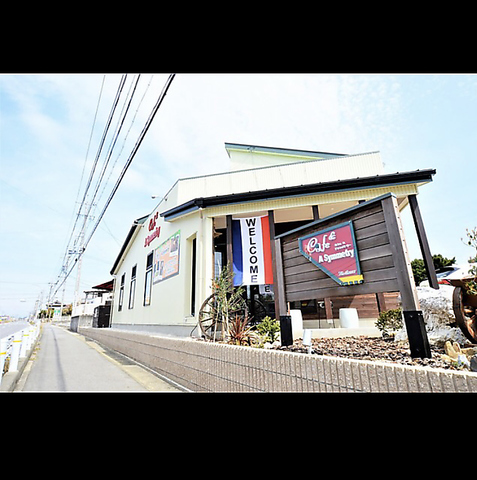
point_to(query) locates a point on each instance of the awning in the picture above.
(105, 286)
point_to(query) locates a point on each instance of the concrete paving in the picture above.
(67, 362)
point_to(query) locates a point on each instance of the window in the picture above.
(121, 292)
(132, 288)
(148, 280)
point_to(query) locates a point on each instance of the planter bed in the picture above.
(370, 348)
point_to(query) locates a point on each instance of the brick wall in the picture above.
(210, 367)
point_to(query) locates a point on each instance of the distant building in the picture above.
(83, 312)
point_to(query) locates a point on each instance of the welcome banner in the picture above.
(251, 251)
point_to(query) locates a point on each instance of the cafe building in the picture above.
(166, 265)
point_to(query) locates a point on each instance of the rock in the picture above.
(473, 363)
(462, 360)
(470, 352)
(438, 313)
(446, 358)
(452, 349)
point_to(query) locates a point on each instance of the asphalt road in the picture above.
(7, 329)
(68, 362)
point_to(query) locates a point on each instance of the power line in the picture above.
(72, 249)
(78, 214)
(105, 132)
(75, 216)
(125, 138)
(146, 127)
(113, 144)
(133, 153)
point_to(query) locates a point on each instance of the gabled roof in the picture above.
(281, 151)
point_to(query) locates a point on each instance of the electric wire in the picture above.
(77, 245)
(106, 128)
(133, 153)
(111, 147)
(66, 248)
(138, 143)
(105, 132)
(124, 140)
(72, 249)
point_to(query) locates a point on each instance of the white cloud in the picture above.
(315, 112)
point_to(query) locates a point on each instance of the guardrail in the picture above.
(15, 346)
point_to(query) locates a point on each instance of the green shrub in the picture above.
(389, 322)
(269, 329)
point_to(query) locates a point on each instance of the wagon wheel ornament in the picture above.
(465, 313)
(214, 315)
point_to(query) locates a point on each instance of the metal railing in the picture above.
(15, 346)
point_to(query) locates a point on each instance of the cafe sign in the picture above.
(334, 252)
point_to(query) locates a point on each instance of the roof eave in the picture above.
(418, 176)
(129, 238)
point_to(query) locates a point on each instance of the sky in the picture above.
(414, 121)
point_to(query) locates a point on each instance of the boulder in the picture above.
(438, 313)
(473, 363)
(452, 349)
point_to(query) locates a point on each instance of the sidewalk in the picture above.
(68, 362)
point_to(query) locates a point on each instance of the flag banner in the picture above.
(334, 251)
(252, 255)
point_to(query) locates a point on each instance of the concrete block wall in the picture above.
(210, 367)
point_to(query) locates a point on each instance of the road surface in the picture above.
(68, 362)
(9, 328)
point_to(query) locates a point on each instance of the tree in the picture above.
(441, 262)
(419, 270)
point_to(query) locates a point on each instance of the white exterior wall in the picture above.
(170, 298)
(279, 176)
(88, 307)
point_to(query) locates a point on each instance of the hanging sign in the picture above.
(252, 255)
(334, 251)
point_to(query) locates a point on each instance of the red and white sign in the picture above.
(154, 232)
(334, 251)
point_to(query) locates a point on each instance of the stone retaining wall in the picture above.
(208, 367)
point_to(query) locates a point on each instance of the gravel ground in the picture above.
(369, 348)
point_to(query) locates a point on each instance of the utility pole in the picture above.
(79, 242)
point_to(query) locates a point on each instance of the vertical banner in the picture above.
(251, 251)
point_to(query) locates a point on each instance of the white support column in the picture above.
(15, 355)
(3, 355)
(24, 345)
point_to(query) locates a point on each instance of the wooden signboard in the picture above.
(333, 250)
(376, 246)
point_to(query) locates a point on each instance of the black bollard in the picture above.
(416, 334)
(286, 330)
